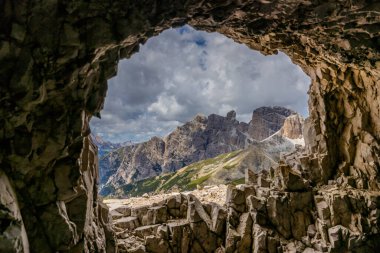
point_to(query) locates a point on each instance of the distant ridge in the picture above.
(199, 139)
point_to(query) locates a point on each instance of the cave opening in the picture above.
(231, 97)
(56, 57)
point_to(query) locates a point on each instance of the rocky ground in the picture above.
(208, 194)
(277, 211)
(165, 222)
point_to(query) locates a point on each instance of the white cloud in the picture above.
(183, 72)
(166, 107)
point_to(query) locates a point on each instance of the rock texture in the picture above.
(199, 139)
(56, 57)
(267, 121)
(292, 127)
(104, 146)
(227, 168)
(283, 215)
(180, 223)
(13, 237)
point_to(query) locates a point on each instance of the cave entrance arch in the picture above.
(175, 76)
(59, 56)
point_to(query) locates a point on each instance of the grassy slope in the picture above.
(225, 168)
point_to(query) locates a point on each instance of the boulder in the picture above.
(236, 196)
(154, 244)
(279, 213)
(323, 208)
(244, 229)
(338, 236)
(257, 208)
(232, 238)
(196, 211)
(251, 177)
(139, 212)
(218, 217)
(180, 234)
(130, 223)
(232, 217)
(144, 231)
(115, 214)
(340, 211)
(322, 230)
(208, 240)
(124, 210)
(155, 215)
(263, 181)
(256, 204)
(259, 239)
(174, 201)
(294, 246)
(290, 179)
(311, 230)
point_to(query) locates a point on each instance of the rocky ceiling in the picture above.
(56, 57)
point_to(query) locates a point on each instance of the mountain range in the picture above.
(200, 139)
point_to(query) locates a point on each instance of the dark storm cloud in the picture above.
(183, 72)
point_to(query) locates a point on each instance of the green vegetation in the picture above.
(179, 179)
(228, 167)
(238, 181)
(193, 184)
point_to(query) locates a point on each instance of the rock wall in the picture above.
(267, 121)
(274, 212)
(293, 126)
(56, 57)
(13, 236)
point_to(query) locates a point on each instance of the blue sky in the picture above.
(183, 72)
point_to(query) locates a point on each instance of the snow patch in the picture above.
(300, 141)
(270, 137)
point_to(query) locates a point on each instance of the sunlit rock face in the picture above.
(56, 57)
(293, 127)
(267, 121)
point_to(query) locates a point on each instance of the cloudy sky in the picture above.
(183, 72)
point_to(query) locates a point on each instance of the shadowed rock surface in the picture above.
(56, 57)
(267, 121)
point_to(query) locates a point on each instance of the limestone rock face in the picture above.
(267, 121)
(56, 57)
(292, 127)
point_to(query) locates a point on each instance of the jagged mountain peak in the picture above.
(267, 120)
(199, 139)
(201, 118)
(231, 115)
(292, 127)
(267, 110)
